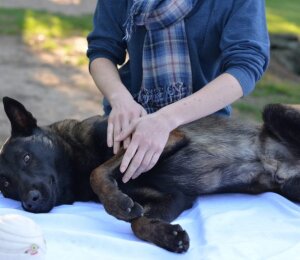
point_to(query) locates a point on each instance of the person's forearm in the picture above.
(107, 80)
(219, 93)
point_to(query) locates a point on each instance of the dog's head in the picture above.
(282, 147)
(28, 162)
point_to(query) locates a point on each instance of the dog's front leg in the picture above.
(115, 202)
(103, 181)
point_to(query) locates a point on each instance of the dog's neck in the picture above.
(84, 147)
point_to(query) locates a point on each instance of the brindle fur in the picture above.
(69, 161)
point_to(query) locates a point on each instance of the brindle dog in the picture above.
(58, 164)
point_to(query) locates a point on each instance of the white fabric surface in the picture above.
(231, 226)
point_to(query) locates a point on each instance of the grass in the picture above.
(283, 16)
(29, 22)
(268, 90)
(46, 31)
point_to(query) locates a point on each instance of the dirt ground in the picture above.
(49, 88)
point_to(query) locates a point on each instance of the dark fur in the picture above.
(212, 155)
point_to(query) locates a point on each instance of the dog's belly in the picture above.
(216, 159)
(200, 173)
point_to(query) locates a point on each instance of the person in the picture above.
(181, 60)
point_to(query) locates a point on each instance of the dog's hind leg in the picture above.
(154, 226)
(104, 185)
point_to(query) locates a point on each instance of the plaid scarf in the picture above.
(167, 75)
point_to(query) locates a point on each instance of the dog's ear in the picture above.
(284, 123)
(22, 121)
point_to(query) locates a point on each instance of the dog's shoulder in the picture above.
(78, 129)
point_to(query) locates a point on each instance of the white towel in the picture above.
(227, 227)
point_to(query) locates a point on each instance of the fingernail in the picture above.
(122, 169)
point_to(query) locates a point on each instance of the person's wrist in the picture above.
(117, 98)
(169, 120)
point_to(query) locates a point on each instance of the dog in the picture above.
(69, 161)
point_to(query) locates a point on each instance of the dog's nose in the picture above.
(32, 200)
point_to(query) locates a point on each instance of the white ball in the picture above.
(21, 238)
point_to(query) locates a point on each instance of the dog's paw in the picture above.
(123, 207)
(163, 234)
(181, 241)
(176, 239)
(127, 208)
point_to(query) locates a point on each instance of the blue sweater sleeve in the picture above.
(245, 43)
(106, 39)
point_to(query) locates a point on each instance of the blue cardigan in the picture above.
(223, 36)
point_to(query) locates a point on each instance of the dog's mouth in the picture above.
(36, 209)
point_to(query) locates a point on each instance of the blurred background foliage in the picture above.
(283, 16)
(65, 35)
(279, 84)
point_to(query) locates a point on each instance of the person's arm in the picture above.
(152, 131)
(106, 50)
(244, 45)
(124, 107)
(219, 93)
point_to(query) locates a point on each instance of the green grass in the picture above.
(267, 91)
(28, 22)
(283, 16)
(46, 31)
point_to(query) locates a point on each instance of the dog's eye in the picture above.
(27, 158)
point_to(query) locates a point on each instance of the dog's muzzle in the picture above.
(32, 200)
(37, 202)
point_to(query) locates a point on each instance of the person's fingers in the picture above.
(124, 125)
(125, 132)
(110, 132)
(117, 130)
(145, 164)
(134, 164)
(129, 154)
(126, 142)
(143, 112)
(153, 161)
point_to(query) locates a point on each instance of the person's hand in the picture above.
(124, 111)
(149, 137)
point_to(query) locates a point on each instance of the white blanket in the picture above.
(233, 226)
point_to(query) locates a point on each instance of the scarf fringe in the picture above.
(130, 21)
